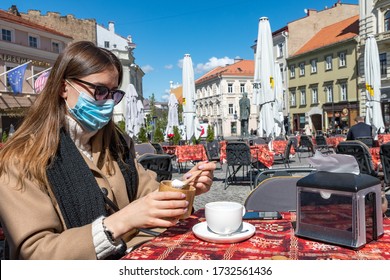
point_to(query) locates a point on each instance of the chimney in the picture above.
(111, 26)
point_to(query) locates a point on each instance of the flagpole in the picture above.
(38, 73)
(15, 68)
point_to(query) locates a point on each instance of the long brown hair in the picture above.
(35, 142)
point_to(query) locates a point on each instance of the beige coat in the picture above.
(33, 223)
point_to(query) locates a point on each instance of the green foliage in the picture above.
(210, 134)
(177, 136)
(142, 136)
(122, 126)
(4, 137)
(158, 134)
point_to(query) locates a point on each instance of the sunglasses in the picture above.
(103, 92)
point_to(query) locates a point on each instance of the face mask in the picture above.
(90, 113)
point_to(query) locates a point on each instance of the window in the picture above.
(231, 111)
(314, 95)
(328, 62)
(55, 47)
(329, 93)
(383, 63)
(303, 96)
(279, 50)
(242, 87)
(230, 88)
(313, 64)
(387, 21)
(292, 71)
(343, 92)
(292, 98)
(106, 44)
(342, 59)
(302, 69)
(33, 41)
(6, 35)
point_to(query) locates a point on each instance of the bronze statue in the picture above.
(245, 111)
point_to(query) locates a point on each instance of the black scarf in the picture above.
(78, 195)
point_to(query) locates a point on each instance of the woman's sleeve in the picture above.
(33, 227)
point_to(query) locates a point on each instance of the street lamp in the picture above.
(235, 115)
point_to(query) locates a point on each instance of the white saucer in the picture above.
(201, 231)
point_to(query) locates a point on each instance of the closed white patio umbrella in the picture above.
(173, 118)
(264, 94)
(372, 76)
(131, 110)
(188, 97)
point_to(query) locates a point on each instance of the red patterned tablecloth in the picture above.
(170, 150)
(190, 153)
(273, 239)
(383, 138)
(260, 151)
(278, 147)
(334, 141)
(376, 160)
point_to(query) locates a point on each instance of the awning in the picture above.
(11, 101)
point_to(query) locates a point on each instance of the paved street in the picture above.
(236, 193)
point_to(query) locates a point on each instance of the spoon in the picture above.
(194, 175)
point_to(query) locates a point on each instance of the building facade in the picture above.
(23, 41)
(218, 93)
(123, 48)
(323, 79)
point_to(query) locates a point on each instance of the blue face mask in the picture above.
(90, 113)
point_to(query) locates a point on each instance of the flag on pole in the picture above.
(41, 81)
(15, 78)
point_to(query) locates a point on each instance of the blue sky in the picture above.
(214, 32)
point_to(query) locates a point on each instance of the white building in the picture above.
(217, 97)
(123, 49)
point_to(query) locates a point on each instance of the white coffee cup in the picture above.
(224, 217)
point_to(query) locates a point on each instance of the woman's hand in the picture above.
(203, 182)
(156, 209)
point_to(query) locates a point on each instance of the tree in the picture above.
(210, 134)
(177, 137)
(142, 137)
(158, 134)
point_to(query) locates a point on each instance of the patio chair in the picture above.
(285, 157)
(385, 161)
(292, 171)
(161, 164)
(213, 151)
(305, 146)
(361, 153)
(238, 155)
(158, 148)
(144, 148)
(322, 146)
(369, 141)
(274, 194)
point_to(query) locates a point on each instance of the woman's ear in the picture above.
(64, 90)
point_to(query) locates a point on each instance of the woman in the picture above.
(67, 169)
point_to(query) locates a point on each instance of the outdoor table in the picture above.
(260, 152)
(383, 138)
(278, 147)
(170, 150)
(186, 153)
(376, 160)
(333, 141)
(273, 239)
